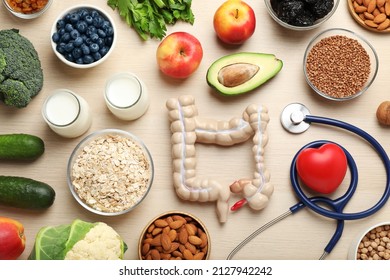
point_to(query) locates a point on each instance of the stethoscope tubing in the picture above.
(381, 153)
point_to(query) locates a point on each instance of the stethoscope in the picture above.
(296, 118)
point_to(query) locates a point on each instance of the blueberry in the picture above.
(94, 47)
(68, 27)
(101, 33)
(98, 21)
(69, 47)
(56, 37)
(60, 24)
(77, 53)
(65, 38)
(69, 57)
(88, 41)
(87, 59)
(95, 13)
(106, 24)
(67, 18)
(74, 34)
(88, 19)
(83, 13)
(101, 42)
(78, 41)
(61, 48)
(108, 41)
(109, 31)
(61, 31)
(103, 51)
(74, 17)
(97, 56)
(94, 37)
(91, 30)
(79, 60)
(81, 26)
(85, 49)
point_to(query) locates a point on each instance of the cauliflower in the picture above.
(100, 243)
(21, 75)
(78, 241)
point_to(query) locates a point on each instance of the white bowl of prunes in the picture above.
(301, 14)
(83, 36)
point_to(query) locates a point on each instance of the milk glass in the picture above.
(126, 96)
(67, 113)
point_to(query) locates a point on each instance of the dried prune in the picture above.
(301, 12)
(321, 8)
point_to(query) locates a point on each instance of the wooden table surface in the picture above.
(302, 236)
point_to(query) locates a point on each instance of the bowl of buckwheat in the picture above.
(339, 64)
(372, 243)
(110, 172)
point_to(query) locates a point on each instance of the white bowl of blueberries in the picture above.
(83, 36)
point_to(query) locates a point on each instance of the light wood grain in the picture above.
(301, 236)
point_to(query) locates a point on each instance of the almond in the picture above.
(199, 256)
(176, 224)
(177, 254)
(360, 9)
(368, 16)
(191, 229)
(380, 3)
(194, 240)
(203, 237)
(380, 18)
(183, 236)
(384, 25)
(174, 247)
(155, 254)
(188, 255)
(156, 231)
(160, 223)
(371, 23)
(178, 217)
(371, 6)
(172, 234)
(156, 241)
(145, 248)
(166, 242)
(151, 228)
(190, 247)
(387, 8)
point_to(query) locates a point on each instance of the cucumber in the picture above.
(25, 193)
(21, 146)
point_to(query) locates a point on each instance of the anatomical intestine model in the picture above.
(188, 128)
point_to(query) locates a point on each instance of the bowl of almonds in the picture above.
(174, 235)
(110, 172)
(373, 15)
(372, 243)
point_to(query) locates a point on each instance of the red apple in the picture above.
(179, 55)
(12, 239)
(234, 22)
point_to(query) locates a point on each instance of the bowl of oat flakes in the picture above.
(110, 172)
(340, 64)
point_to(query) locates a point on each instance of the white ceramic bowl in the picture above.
(374, 61)
(316, 24)
(22, 15)
(116, 167)
(353, 249)
(73, 9)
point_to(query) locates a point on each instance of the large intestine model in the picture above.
(188, 128)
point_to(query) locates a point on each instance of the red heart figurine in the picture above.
(322, 169)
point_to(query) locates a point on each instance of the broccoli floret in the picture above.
(21, 75)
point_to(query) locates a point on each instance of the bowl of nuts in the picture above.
(27, 9)
(373, 16)
(83, 36)
(339, 64)
(301, 15)
(110, 172)
(372, 243)
(174, 235)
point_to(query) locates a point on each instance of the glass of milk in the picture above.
(126, 96)
(67, 113)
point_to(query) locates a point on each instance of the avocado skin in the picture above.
(269, 67)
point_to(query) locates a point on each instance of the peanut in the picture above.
(373, 13)
(174, 237)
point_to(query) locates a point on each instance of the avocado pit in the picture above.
(236, 74)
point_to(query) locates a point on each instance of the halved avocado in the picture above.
(242, 72)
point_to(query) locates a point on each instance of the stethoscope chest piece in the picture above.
(292, 118)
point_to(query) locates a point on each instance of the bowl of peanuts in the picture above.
(372, 15)
(174, 235)
(110, 172)
(372, 243)
(27, 9)
(339, 64)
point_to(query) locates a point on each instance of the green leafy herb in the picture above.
(151, 17)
